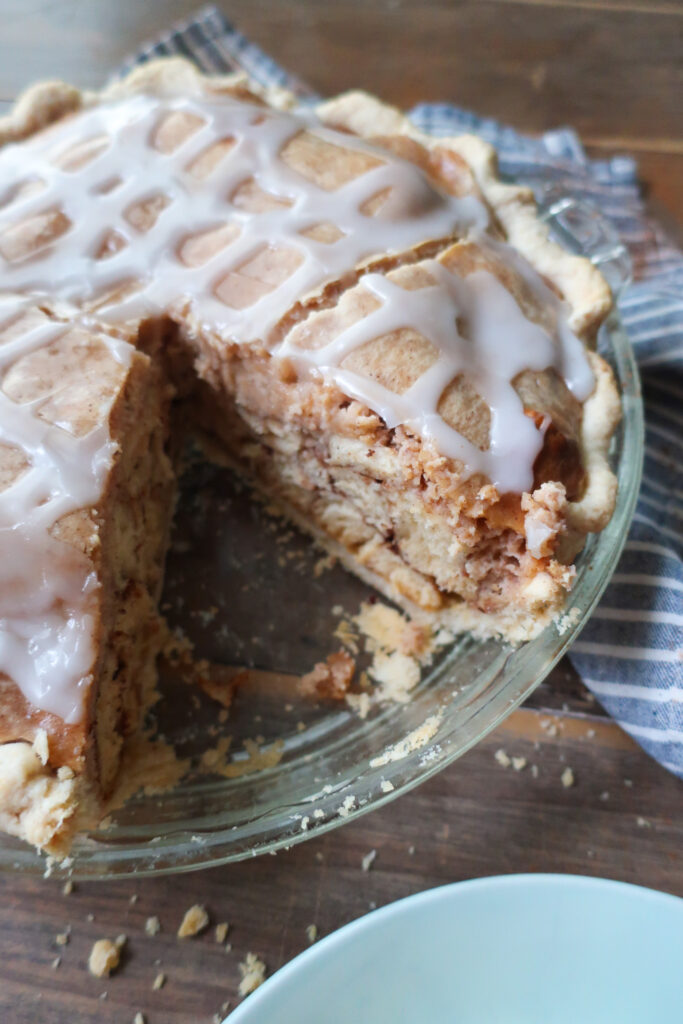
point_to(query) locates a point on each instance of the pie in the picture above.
(375, 329)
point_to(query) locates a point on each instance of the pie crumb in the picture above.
(105, 956)
(220, 1016)
(68, 887)
(323, 564)
(62, 939)
(368, 860)
(330, 678)
(152, 926)
(348, 805)
(159, 981)
(194, 921)
(567, 778)
(222, 929)
(56, 962)
(312, 932)
(386, 786)
(502, 758)
(415, 740)
(139, 1018)
(518, 763)
(41, 746)
(253, 972)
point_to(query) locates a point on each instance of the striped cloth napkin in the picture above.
(630, 655)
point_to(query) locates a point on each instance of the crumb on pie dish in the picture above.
(374, 329)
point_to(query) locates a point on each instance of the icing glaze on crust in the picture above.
(143, 206)
(46, 613)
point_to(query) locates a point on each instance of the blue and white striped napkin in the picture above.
(631, 652)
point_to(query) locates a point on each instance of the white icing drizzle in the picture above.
(501, 345)
(45, 619)
(46, 614)
(415, 212)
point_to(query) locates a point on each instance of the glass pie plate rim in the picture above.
(433, 727)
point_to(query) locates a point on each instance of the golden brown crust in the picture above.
(575, 277)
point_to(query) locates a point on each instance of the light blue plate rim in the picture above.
(354, 930)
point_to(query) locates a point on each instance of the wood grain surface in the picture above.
(614, 71)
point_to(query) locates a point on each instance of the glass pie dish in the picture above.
(250, 591)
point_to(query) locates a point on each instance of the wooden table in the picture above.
(611, 68)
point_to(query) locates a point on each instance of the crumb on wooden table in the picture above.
(368, 860)
(105, 956)
(219, 1017)
(567, 778)
(159, 981)
(502, 758)
(253, 974)
(312, 932)
(152, 925)
(195, 920)
(222, 929)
